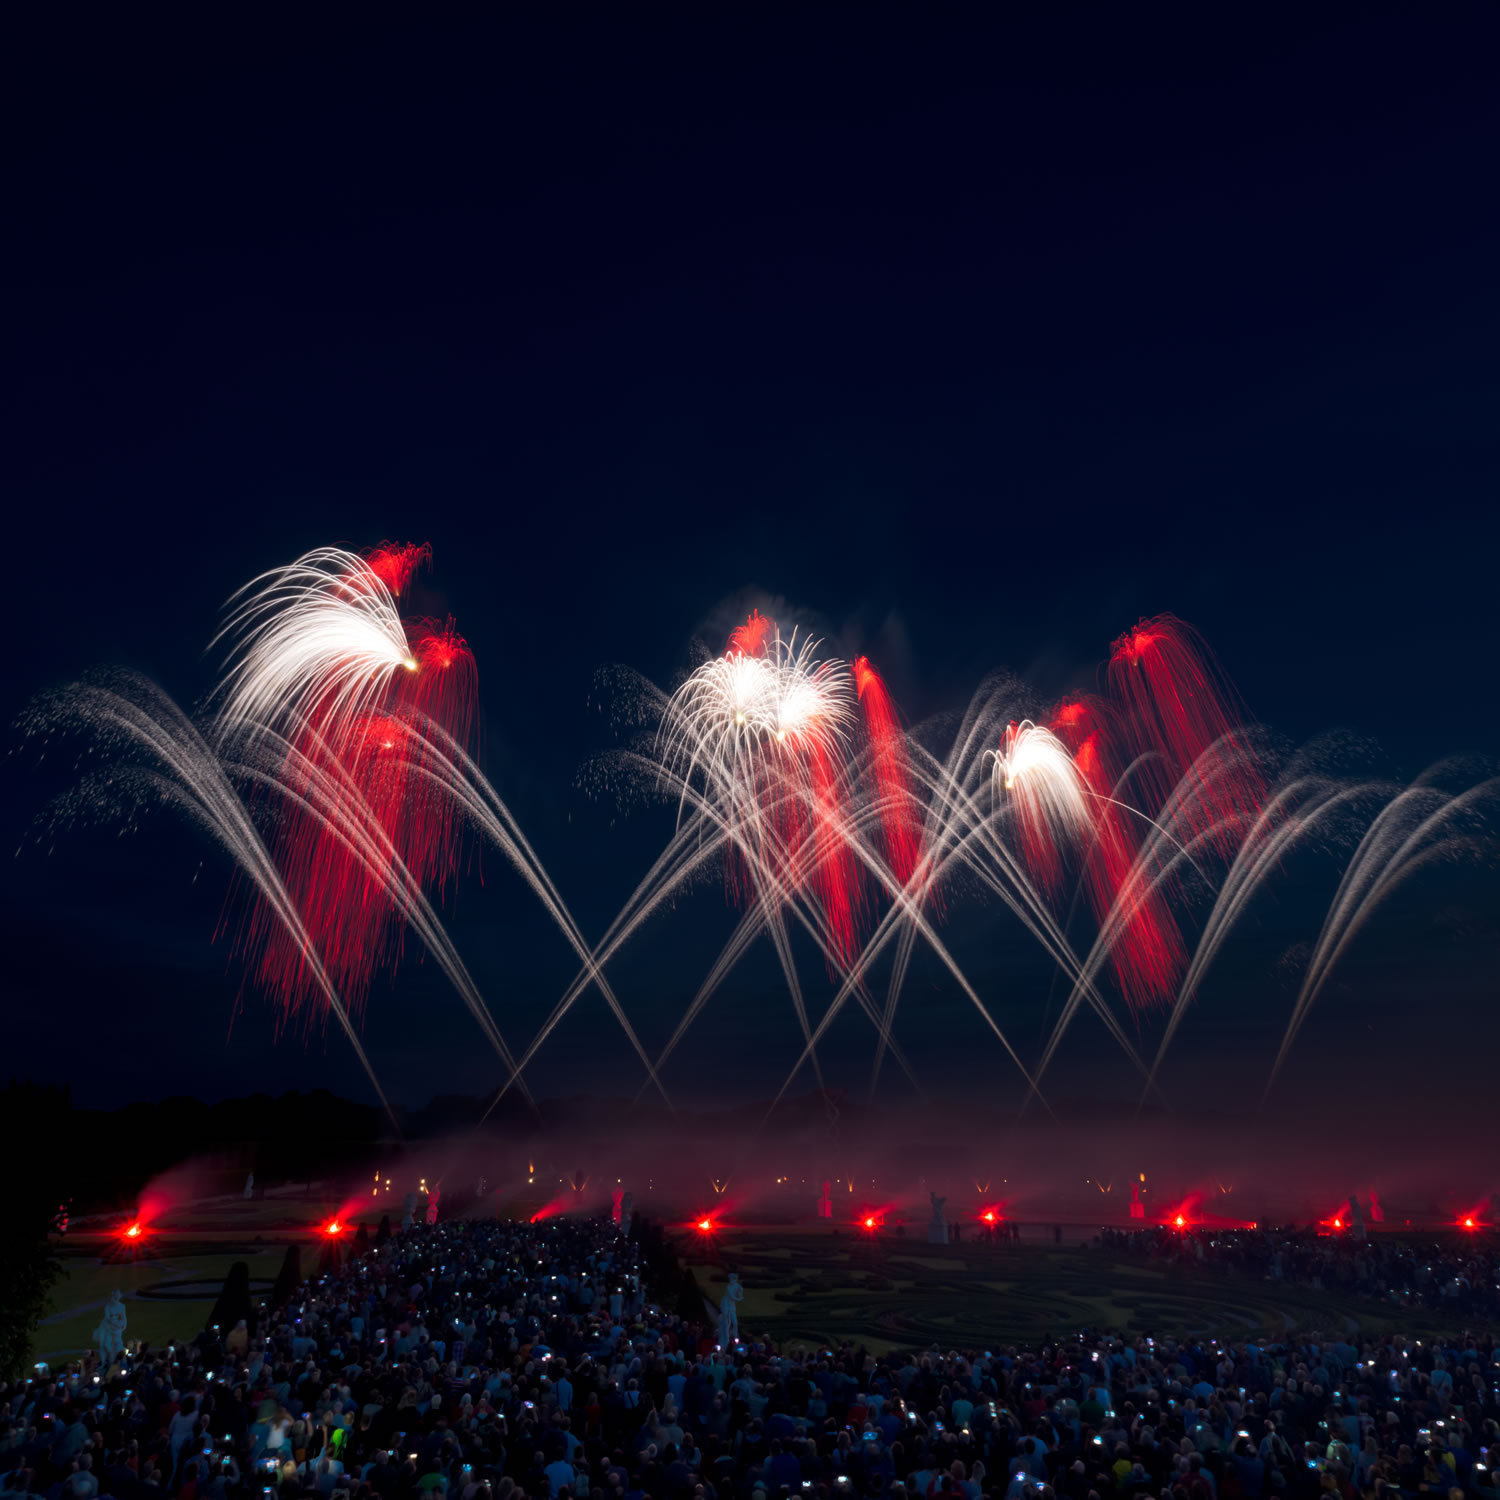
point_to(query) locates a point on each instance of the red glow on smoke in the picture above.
(751, 638)
(899, 811)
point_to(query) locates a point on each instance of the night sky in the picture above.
(967, 343)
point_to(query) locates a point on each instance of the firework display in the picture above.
(338, 763)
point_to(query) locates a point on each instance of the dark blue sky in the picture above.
(972, 341)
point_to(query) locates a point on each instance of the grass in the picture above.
(819, 1289)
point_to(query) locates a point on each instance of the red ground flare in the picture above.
(900, 812)
(1148, 956)
(396, 563)
(751, 638)
(1179, 708)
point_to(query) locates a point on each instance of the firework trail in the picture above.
(1418, 826)
(961, 832)
(764, 729)
(318, 792)
(759, 736)
(322, 665)
(133, 715)
(1047, 796)
(1294, 811)
(1177, 704)
(445, 765)
(1149, 953)
(896, 804)
(1177, 842)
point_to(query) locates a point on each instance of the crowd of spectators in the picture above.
(483, 1360)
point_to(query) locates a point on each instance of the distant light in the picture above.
(1468, 1223)
(334, 1227)
(1180, 1221)
(705, 1225)
(1338, 1223)
(870, 1222)
(133, 1232)
(989, 1216)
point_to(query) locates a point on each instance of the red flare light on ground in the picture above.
(132, 1231)
(333, 1228)
(705, 1225)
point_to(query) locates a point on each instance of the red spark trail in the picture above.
(356, 807)
(1148, 954)
(899, 821)
(1177, 709)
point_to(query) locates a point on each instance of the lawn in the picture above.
(817, 1288)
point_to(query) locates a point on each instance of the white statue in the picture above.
(825, 1202)
(408, 1210)
(250, 1187)
(937, 1226)
(110, 1334)
(729, 1313)
(432, 1204)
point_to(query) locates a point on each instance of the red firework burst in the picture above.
(1181, 717)
(1148, 955)
(899, 811)
(361, 818)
